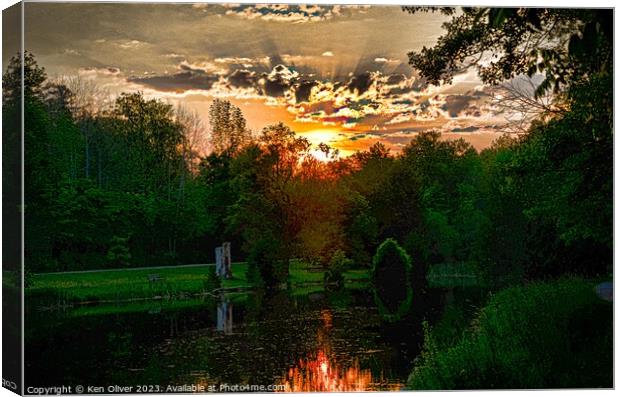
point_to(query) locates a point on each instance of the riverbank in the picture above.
(541, 335)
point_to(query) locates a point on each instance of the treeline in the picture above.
(129, 186)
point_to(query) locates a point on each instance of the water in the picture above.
(321, 341)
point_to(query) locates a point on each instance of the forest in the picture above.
(124, 184)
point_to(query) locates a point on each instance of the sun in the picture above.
(322, 135)
(328, 136)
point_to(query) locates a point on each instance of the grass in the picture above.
(555, 334)
(117, 285)
(301, 273)
(174, 283)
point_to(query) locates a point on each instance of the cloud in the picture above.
(386, 60)
(131, 44)
(360, 83)
(202, 67)
(243, 61)
(303, 90)
(174, 56)
(471, 128)
(278, 82)
(200, 76)
(109, 71)
(243, 78)
(289, 12)
(462, 105)
(328, 54)
(372, 101)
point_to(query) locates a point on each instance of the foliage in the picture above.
(391, 277)
(544, 335)
(228, 127)
(34, 77)
(263, 264)
(118, 253)
(566, 45)
(338, 264)
(212, 282)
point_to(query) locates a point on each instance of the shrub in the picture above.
(264, 266)
(212, 282)
(544, 335)
(118, 255)
(391, 277)
(338, 264)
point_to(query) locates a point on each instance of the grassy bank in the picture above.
(544, 335)
(173, 282)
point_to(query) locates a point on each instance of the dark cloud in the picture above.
(357, 137)
(394, 79)
(177, 82)
(243, 78)
(275, 88)
(360, 83)
(303, 89)
(285, 12)
(465, 129)
(279, 81)
(457, 104)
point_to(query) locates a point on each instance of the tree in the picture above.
(33, 77)
(566, 45)
(228, 127)
(264, 212)
(549, 203)
(338, 264)
(391, 278)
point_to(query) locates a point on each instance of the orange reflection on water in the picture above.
(321, 373)
(314, 375)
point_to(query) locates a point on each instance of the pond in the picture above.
(320, 341)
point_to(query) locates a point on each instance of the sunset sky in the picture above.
(335, 74)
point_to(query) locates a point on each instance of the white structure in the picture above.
(219, 261)
(223, 261)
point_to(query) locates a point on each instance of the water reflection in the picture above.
(327, 342)
(321, 372)
(225, 316)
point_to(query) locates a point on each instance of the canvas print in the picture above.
(220, 197)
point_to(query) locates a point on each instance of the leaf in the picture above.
(497, 16)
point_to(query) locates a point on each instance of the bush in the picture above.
(391, 277)
(265, 269)
(212, 282)
(338, 264)
(118, 255)
(545, 335)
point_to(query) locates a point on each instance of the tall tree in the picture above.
(264, 212)
(228, 127)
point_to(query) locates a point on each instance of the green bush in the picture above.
(391, 278)
(338, 264)
(265, 269)
(118, 255)
(544, 335)
(212, 282)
